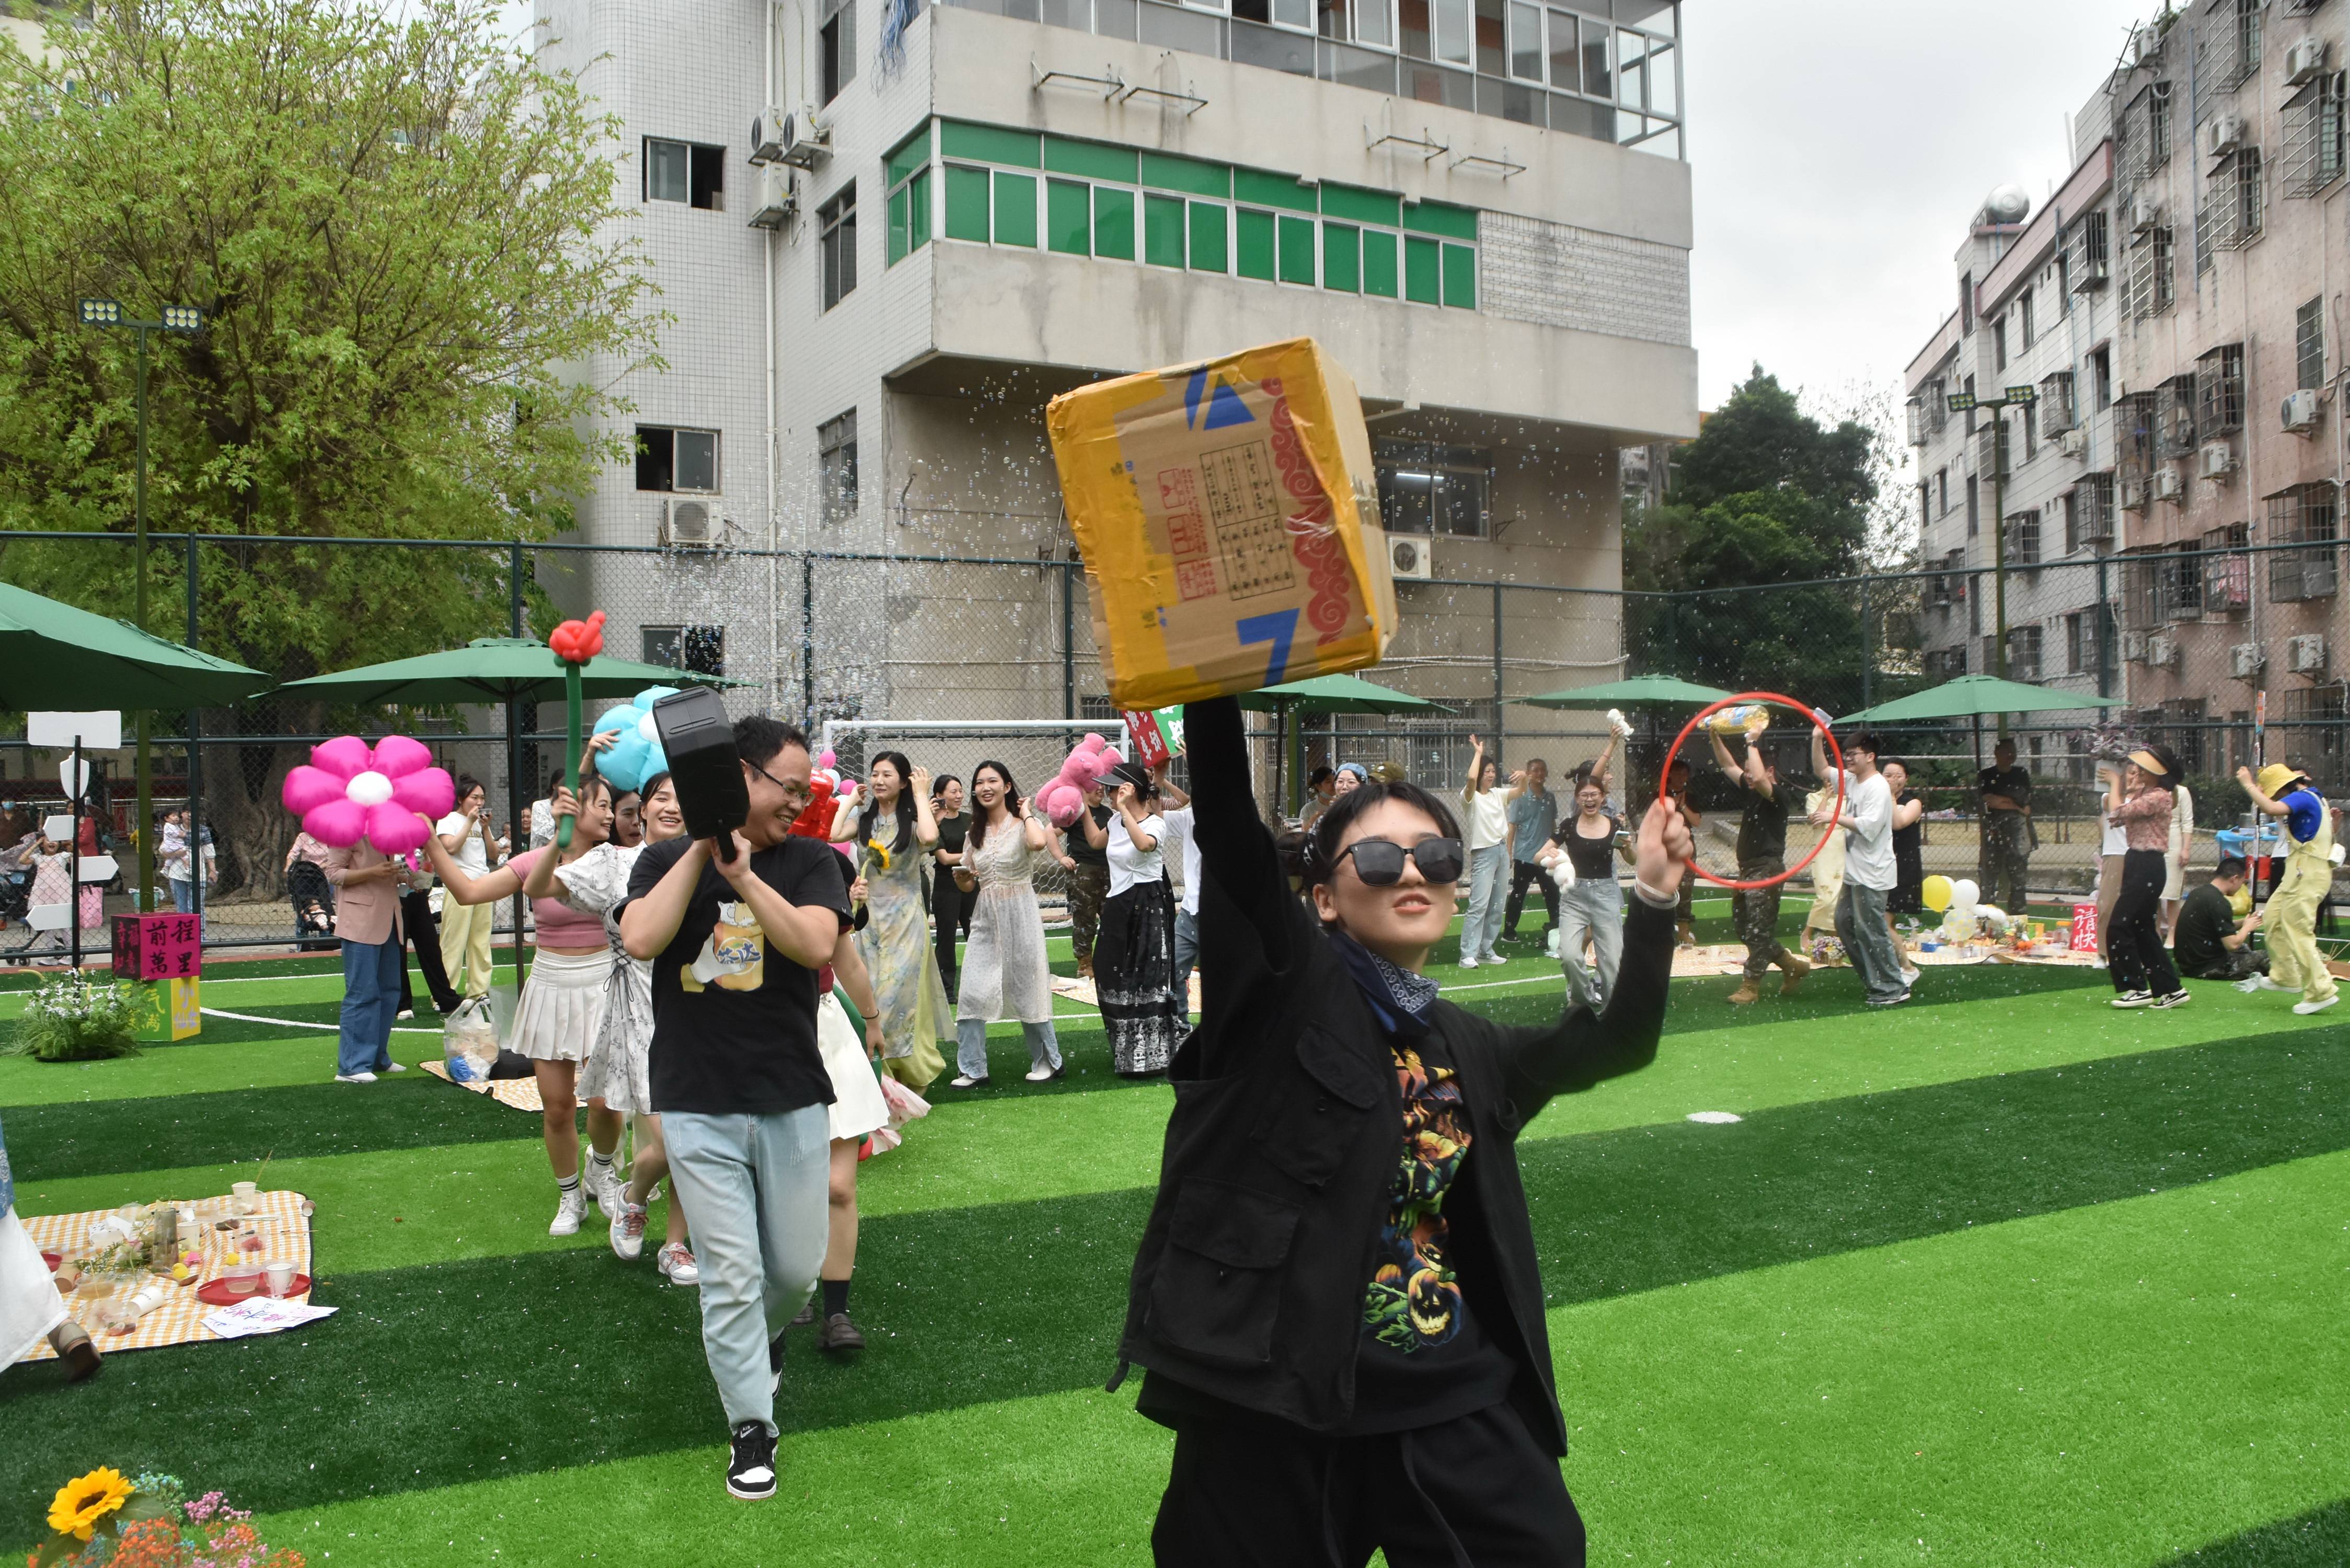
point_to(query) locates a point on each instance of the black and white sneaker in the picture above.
(1888, 1000)
(775, 1363)
(2175, 999)
(751, 1473)
(2135, 999)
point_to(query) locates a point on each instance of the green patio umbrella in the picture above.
(507, 671)
(1972, 697)
(1325, 694)
(55, 656)
(1629, 692)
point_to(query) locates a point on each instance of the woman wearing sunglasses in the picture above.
(1338, 1377)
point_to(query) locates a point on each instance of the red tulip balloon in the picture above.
(347, 792)
(574, 643)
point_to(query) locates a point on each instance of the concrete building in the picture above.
(2173, 305)
(951, 214)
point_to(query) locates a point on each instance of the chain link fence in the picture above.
(2224, 654)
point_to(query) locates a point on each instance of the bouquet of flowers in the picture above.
(72, 1019)
(149, 1522)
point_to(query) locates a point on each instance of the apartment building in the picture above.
(888, 232)
(2171, 493)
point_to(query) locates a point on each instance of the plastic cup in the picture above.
(244, 1197)
(281, 1277)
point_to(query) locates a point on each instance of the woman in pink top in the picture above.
(562, 1009)
(2139, 801)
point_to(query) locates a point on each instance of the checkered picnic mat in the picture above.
(522, 1094)
(284, 1232)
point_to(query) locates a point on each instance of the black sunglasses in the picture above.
(1379, 861)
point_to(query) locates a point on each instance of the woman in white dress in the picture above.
(619, 1072)
(2175, 857)
(31, 1310)
(857, 1110)
(1003, 969)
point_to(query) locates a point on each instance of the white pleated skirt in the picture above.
(29, 1303)
(857, 1108)
(562, 1009)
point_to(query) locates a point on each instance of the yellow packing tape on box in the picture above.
(1229, 520)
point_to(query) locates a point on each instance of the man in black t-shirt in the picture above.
(1762, 854)
(2006, 830)
(736, 1076)
(2208, 943)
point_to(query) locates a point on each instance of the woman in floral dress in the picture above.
(1003, 969)
(894, 829)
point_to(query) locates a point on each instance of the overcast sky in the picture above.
(1838, 148)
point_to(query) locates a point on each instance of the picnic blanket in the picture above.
(285, 1232)
(522, 1094)
(1080, 989)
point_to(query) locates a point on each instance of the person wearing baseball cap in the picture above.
(2294, 962)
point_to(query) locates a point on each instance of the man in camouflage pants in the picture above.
(1762, 852)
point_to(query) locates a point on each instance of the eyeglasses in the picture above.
(1379, 861)
(792, 792)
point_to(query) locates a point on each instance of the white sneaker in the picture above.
(1495, 959)
(2249, 985)
(1908, 976)
(405, 1013)
(354, 1077)
(2306, 1008)
(965, 1081)
(395, 1067)
(567, 1213)
(2266, 983)
(1469, 960)
(1041, 1074)
(677, 1265)
(603, 1191)
(2134, 999)
(628, 1230)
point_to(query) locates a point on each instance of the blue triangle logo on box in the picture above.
(1225, 408)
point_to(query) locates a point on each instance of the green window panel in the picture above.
(1379, 264)
(1273, 190)
(1361, 206)
(966, 203)
(1015, 209)
(1162, 230)
(908, 155)
(1188, 175)
(1252, 246)
(1207, 236)
(1296, 249)
(1113, 224)
(1090, 159)
(988, 143)
(1069, 217)
(1342, 257)
(1461, 276)
(1421, 263)
(1436, 218)
(917, 217)
(898, 246)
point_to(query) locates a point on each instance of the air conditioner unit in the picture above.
(2133, 494)
(805, 143)
(2134, 646)
(2304, 59)
(2244, 660)
(2168, 485)
(2072, 442)
(777, 200)
(2216, 460)
(770, 134)
(2307, 653)
(1408, 556)
(2223, 135)
(2299, 412)
(2144, 213)
(2160, 650)
(691, 523)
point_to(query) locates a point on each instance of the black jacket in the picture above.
(1282, 1150)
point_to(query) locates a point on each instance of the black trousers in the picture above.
(1250, 1491)
(1521, 873)
(951, 909)
(423, 931)
(2134, 950)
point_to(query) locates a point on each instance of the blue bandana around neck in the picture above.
(1397, 997)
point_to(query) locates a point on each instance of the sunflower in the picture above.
(82, 1502)
(880, 852)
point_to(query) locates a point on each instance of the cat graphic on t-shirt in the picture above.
(734, 955)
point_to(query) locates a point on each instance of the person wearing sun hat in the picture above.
(2290, 919)
(2139, 798)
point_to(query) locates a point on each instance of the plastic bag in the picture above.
(469, 1039)
(905, 1105)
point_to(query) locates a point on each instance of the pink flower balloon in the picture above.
(347, 792)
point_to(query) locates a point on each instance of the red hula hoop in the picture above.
(1783, 702)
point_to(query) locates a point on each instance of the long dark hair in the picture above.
(1011, 799)
(1330, 828)
(905, 810)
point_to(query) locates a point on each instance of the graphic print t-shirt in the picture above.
(733, 1022)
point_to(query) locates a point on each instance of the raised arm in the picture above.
(1174, 797)
(926, 821)
(1476, 765)
(2251, 787)
(466, 887)
(1239, 862)
(1606, 754)
(1132, 807)
(1906, 812)
(845, 813)
(1096, 832)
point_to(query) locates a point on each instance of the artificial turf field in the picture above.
(2005, 1277)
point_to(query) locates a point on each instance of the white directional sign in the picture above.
(100, 731)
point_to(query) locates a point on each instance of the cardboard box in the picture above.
(1228, 516)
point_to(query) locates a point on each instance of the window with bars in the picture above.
(2218, 392)
(2304, 515)
(2022, 541)
(2175, 417)
(2309, 344)
(1946, 663)
(2081, 642)
(1992, 458)
(2151, 290)
(2229, 51)
(2227, 570)
(2089, 512)
(2057, 412)
(2023, 648)
(2092, 253)
(2028, 417)
(2145, 131)
(2178, 581)
(2101, 378)
(2314, 144)
(836, 457)
(2319, 715)
(2235, 208)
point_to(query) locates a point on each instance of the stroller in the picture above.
(313, 897)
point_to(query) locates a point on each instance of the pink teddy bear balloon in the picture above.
(1065, 797)
(347, 792)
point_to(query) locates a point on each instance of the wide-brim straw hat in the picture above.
(2276, 776)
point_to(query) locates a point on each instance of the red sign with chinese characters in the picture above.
(157, 947)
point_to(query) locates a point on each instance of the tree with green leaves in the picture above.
(397, 228)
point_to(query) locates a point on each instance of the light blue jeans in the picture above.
(1594, 908)
(370, 996)
(971, 1046)
(1489, 892)
(1187, 955)
(1868, 940)
(756, 1186)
